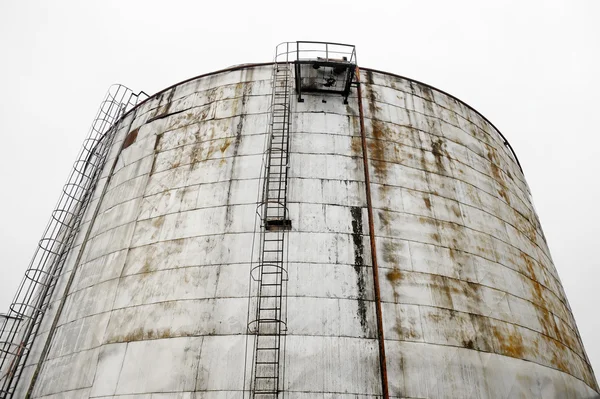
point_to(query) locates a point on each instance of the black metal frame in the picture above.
(347, 64)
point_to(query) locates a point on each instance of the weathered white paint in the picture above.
(472, 305)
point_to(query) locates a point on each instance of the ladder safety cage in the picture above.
(19, 328)
(269, 323)
(321, 67)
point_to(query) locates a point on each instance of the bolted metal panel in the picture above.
(471, 303)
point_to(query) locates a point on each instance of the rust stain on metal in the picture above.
(394, 275)
(225, 145)
(455, 208)
(494, 159)
(377, 148)
(509, 344)
(427, 202)
(141, 334)
(158, 222)
(375, 269)
(130, 139)
(406, 331)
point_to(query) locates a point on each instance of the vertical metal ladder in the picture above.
(269, 325)
(41, 277)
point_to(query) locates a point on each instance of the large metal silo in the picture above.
(227, 241)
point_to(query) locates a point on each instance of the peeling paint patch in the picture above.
(130, 139)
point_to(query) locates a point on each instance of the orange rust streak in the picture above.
(382, 360)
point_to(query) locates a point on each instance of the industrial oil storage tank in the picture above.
(297, 229)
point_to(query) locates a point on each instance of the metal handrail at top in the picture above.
(311, 51)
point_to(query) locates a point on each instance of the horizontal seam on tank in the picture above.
(189, 237)
(470, 151)
(465, 182)
(199, 391)
(489, 317)
(436, 219)
(207, 93)
(493, 137)
(492, 288)
(206, 141)
(137, 219)
(345, 233)
(368, 395)
(500, 144)
(131, 164)
(197, 78)
(495, 238)
(197, 142)
(411, 126)
(434, 116)
(498, 354)
(200, 336)
(501, 136)
(517, 195)
(198, 121)
(237, 156)
(195, 299)
(228, 85)
(205, 299)
(174, 188)
(329, 232)
(156, 172)
(230, 205)
(174, 111)
(316, 335)
(417, 190)
(305, 296)
(477, 255)
(372, 117)
(376, 183)
(518, 181)
(370, 137)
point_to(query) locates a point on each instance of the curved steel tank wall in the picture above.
(472, 305)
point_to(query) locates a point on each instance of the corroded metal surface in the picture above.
(471, 303)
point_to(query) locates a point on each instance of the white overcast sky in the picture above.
(531, 67)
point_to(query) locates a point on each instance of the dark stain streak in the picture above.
(236, 144)
(437, 148)
(162, 111)
(359, 250)
(156, 151)
(165, 115)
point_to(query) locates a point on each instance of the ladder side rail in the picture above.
(60, 234)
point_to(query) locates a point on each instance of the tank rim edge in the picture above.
(253, 65)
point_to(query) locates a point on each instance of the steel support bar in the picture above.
(382, 360)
